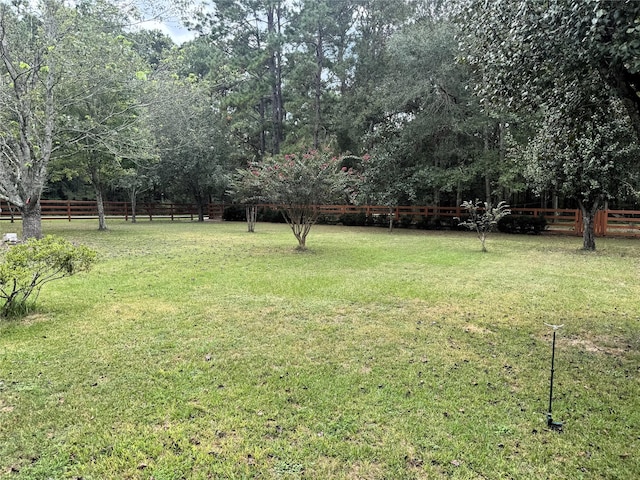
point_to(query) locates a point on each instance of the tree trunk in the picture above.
(318, 87)
(588, 224)
(252, 214)
(31, 220)
(201, 209)
(102, 222)
(134, 198)
(275, 69)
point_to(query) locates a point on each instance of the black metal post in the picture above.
(550, 423)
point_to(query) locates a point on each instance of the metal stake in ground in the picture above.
(550, 423)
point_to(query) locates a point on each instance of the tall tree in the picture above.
(320, 37)
(569, 61)
(250, 33)
(30, 41)
(192, 141)
(107, 122)
(38, 59)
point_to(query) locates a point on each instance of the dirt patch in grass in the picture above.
(363, 470)
(471, 328)
(601, 345)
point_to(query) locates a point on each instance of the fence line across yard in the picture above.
(559, 221)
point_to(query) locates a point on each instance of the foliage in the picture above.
(523, 224)
(482, 217)
(581, 86)
(523, 61)
(591, 158)
(297, 183)
(26, 267)
(30, 67)
(192, 139)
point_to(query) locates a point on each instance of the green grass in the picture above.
(201, 351)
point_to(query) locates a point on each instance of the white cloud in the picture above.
(172, 28)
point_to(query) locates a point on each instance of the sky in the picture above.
(171, 27)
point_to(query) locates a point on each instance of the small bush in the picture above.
(353, 219)
(26, 267)
(269, 215)
(234, 213)
(522, 224)
(406, 221)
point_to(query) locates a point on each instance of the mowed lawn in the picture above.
(198, 350)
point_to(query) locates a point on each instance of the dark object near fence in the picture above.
(522, 224)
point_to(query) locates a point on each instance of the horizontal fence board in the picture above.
(559, 221)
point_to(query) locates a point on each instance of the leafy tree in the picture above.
(591, 159)
(195, 158)
(246, 188)
(44, 49)
(31, 69)
(106, 124)
(569, 81)
(298, 183)
(137, 178)
(523, 60)
(482, 217)
(26, 267)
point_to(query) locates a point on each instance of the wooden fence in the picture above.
(559, 221)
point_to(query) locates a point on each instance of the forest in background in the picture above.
(417, 85)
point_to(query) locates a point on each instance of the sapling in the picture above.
(482, 217)
(26, 267)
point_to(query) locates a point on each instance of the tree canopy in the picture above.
(451, 100)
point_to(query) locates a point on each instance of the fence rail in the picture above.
(559, 221)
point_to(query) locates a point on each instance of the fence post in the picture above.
(579, 224)
(69, 210)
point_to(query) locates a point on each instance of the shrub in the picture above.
(482, 217)
(523, 224)
(26, 267)
(353, 219)
(234, 213)
(406, 221)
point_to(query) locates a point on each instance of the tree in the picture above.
(591, 158)
(137, 178)
(319, 35)
(106, 122)
(482, 217)
(569, 62)
(44, 47)
(428, 139)
(195, 159)
(250, 33)
(298, 183)
(530, 52)
(31, 71)
(246, 188)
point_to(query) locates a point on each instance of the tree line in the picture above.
(528, 101)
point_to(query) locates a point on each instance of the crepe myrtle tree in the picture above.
(246, 189)
(482, 217)
(298, 183)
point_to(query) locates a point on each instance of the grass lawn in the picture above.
(201, 351)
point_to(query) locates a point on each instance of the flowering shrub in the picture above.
(297, 183)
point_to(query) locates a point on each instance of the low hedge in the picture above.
(522, 224)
